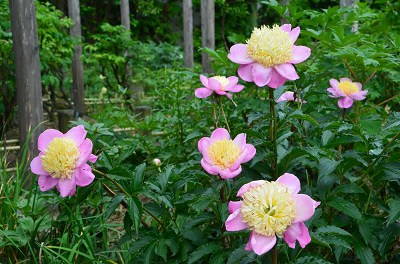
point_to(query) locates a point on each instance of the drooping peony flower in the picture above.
(347, 90)
(269, 55)
(62, 161)
(271, 209)
(224, 156)
(289, 96)
(218, 84)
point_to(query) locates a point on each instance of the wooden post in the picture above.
(136, 91)
(188, 33)
(77, 66)
(27, 72)
(285, 3)
(207, 31)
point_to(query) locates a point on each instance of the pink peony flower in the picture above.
(269, 55)
(224, 156)
(347, 90)
(62, 160)
(271, 209)
(289, 96)
(218, 84)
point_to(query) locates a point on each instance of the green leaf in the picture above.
(161, 249)
(115, 201)
(127, 153)
(388, 235)
(311, 259)
(394, 212)
(348, 188)
(192, 135)
(237, 255)
(299, 115)
(138, 177)
(164, 177)
(135, 210)
(364, 253)
(332, 230)
(346, 207)
(202, 251)
(120, 173)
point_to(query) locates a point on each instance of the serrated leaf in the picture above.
(346, 207)
(161, 249)
(237, 255)
(302, 116)
(164, 177)
(115, 201)
(192, 135)
(139, 176)
(135, 210)
(311, 259)
(202, 251)
(390, 233)
(394, 212)
(127, 152)
(348, 188)
(332, 230)
(120, 173)
(364, 253)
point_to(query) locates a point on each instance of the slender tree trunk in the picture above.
(188, 32)
(77, 66)
(136, 91)
(285, 3)
(350, 3)
(207, 31)
(27, 73)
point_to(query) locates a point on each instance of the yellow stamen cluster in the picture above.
(222, 80)
(223, 153)
(270, 46)
(348, 87)
(60, 157)
(268, 209)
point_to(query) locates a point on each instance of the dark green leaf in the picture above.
(115, 201)
(202, 251)
(346, 207)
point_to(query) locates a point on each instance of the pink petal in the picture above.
(245, 72)
(203, 92)
(251, 152)
(345, 79)
(248, 245)
(286, 27)
(233, 206)
(240, 140)
(228, 173)
(85, 150)
(262, 244)
(287, 71)
(304, 207)
(93, 158)
(208, 167)
(276, 79)
(204, 80)
(359, 85)
(294, 34)
(220, 92)
(37, 167)
(46, 182)
(46, 137)
(238, 54)
(229, 96)
(300, 54)
(248, 186)
(357, 96)
(77, 134)
(261, 75)
(334, 92)
(334, 83)
(236, 88)
(345, 102)
(203, 144)
(290, 181)
(233, 80)
(84, 175)
(219, 134)
(297, 231)
(66, 187)
(214, 85)
(286, 96)
(235, 222)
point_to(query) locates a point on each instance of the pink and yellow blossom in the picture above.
(289, 96)
(62, 161)
(271, 209)
(269, 55)
(224, 156)
(347, 91)
(220, 85)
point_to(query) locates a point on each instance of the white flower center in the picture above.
(222, 80)
(270, 46)
(268, 209)
(60, 157)
(348, 87)
(223, 153)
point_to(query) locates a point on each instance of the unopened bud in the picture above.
(157, 162)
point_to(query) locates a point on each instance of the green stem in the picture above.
(119, 187)
(215, 112)
(223, 113)
(274, 257)
(272, 131)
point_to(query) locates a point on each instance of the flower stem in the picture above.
(274, 257)
(223, 113)
(215, 112)
(272, 131)
(119, 187)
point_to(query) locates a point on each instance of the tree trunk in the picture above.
(77, 66)
(135, 91)
(188, 32)
(350, 3)
(207, 31)
(285, 3)
(27, 73)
